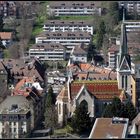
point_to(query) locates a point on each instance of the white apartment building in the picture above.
(132, 26)
(15, 117)
(58, 8)
(131, 6)
(67, 39)
(46, 51)
(66, 25)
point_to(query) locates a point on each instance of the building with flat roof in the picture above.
(62, 8)
(110, 128)
(68, 39)
(48, 51)
(69, 25)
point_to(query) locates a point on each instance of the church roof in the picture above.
(63, 95)
(100, 89)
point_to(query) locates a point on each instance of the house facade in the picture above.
(15, 117)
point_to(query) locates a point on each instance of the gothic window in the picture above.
(84, 104)
(126, 81)
(59, 108)
(122, 81)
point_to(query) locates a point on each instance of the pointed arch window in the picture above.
(84, 104)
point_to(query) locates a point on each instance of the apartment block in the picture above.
(67, 39)
(66, 25)
(46, 51)
(61, 8)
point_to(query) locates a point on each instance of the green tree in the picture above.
(80, 121)
(130, 110)
(119, 109)
(1, 23)
(100, 34)
(114, 11)
(50, 113)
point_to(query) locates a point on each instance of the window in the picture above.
(59, 108)
(122, 81)
(14, 129)
(126, 81)
(14, 123)
(84, 104)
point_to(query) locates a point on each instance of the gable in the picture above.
(124, 66)
(82, 92)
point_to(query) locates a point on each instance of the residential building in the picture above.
(55, 79)
(110, 128)
(79, 53)
(93, 94)
(77, 8)
(48, 51)
(30, 88)
(112, 56)
(8, 8)
(132, 7)
(15, 117)
(69, 25)
(67, 39)
(6, 38)
(132, 26)
(90, 72)
(19, 68)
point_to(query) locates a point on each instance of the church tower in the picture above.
(124, 62)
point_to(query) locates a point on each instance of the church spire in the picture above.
(123, 47)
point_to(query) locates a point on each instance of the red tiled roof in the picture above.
(63, 95)
(5, 35)
(101, 90)
(21, 89)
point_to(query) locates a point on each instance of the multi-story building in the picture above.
(69, 25)
(112, 56)
(67, 39)
(48, 51)
(30, 88)
(132, 7)
(19, 68)
(7, 8)
(79, 53)
(133, 26)
(15, 117)
(55, 79)
(58, 8)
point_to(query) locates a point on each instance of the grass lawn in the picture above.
(60, 131)
(75, 17)
(37, 29)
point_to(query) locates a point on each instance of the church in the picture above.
(96, 94)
